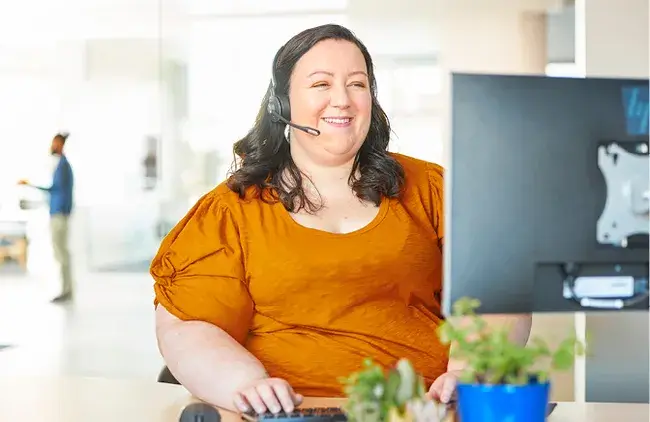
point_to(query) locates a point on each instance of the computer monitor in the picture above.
(547, 194)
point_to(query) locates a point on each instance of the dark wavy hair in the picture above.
(266, 162)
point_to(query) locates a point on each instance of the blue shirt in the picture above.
(61, 189)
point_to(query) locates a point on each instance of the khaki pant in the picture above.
(59, 230)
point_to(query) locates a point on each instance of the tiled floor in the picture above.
(108, 330)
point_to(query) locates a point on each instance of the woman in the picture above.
(321, 249)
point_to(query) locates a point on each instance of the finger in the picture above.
(297, 399)
(435, 389)
(448, 390)
(268, 396)
(241, 404)
(285, 396)
(254, 400)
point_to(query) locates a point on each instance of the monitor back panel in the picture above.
(526, 193)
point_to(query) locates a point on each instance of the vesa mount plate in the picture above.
(627, 208)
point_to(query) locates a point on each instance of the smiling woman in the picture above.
(337, 94)
(320, 249)
(321, 73)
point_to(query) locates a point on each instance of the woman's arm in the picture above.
(205, 359)
(204, 312)
(215, 368)
(518, 326)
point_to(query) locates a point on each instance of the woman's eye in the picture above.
(325, 85)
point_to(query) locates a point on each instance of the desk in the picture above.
(102, 400)
(13, 242)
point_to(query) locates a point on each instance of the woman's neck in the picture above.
(326, 179)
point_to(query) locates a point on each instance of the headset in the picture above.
(278, 106)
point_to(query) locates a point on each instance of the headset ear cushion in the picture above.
(274, 108)
(285, 106)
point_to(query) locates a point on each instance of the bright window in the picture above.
(409, 92)
(416, 88)
(31, 108)
(418, 136)
(264, 7)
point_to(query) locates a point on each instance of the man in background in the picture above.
(60, 194)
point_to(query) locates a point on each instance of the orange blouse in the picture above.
(309, 304)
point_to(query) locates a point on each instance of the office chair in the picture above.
(165, 376)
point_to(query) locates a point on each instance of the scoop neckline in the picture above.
(381, 214)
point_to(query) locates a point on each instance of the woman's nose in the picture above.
(340, 97)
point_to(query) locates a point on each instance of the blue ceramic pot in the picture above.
(503, 403)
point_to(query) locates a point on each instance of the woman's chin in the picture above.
(341, 151)
(340, 145)
(330, 150)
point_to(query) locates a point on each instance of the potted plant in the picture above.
(395, 395)
(502, 381)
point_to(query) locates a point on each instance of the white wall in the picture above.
(613, 41)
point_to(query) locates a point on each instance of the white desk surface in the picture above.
(94, 399)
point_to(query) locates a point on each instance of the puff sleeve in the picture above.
(437, 185)
(199, 272)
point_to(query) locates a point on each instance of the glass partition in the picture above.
(154, 94)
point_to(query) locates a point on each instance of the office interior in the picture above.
(154, 93)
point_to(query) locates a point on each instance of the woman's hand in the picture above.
(273, 394)
(443, 388)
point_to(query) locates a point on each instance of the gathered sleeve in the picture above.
(437, 185)
(199, 270)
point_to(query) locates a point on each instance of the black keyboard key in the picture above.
(313, 414)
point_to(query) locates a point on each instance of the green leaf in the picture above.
(392, 384)
(408, 379)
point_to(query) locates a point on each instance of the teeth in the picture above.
(338, 120)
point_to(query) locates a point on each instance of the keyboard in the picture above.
(308, 414)
(322, 414)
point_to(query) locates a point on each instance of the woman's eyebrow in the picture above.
(356, 72)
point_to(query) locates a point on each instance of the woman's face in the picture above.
(330, 91)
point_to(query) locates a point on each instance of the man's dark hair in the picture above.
(264, 151)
